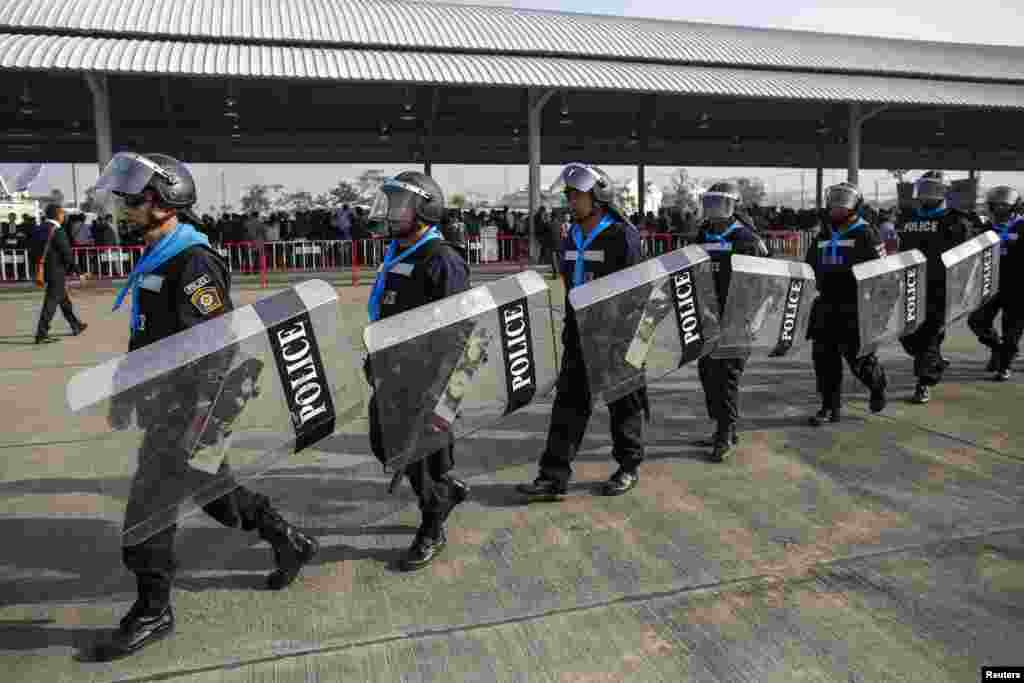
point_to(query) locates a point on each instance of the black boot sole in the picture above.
(280, 579)
(108, 652)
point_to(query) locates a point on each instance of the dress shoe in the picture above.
(620, 482)
(137, 629)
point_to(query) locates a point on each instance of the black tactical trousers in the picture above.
(828, 355)
(1006, 347)
(56, 295)
(162, 480)
(720, 378)
(428, 478)
(925, 346)
(571, 413)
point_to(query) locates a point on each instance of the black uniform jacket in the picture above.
(1011, 259)
(738, 238)
(617, 247)
(186, 290)
(835, 310)
(434, 271)
(932, 236)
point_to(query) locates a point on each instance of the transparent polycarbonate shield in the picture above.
(972, 275)
(645, 321)
(767, 308)
(891, 299)
(200, 412)
(449, 368)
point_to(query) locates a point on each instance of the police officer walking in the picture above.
(600, 242)
(419, 267)
(180, 282)
(722, 234)
(844, 241)
(931, 228)
(1008, 222)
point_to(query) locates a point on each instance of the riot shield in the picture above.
(645, 321)
(767, 308)
(200, 412)
(891, 298)
(972, 275)
(449, 368)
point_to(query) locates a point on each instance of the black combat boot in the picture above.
(292, 549)
(993, 362)
(542, 487)
(150, 619)
(621, 482)
(427, 545)
(825, 415)
(723, 441)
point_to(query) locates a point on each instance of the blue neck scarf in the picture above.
(833, 244)
(389, 260)
(713, 237)
(581, 245)
(169, 246)
(929, 214)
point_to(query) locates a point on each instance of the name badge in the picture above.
(153, 283)
(596, 255)
(399, 269)
(716, 246)
(840, 243)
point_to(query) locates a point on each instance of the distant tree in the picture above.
(369, 182)
(898, 173)
(90, 204)
(295, 201)
(342, 193)
(457, 200)
(260, 197)
(687, 191)
(57, 197)
(751, 191)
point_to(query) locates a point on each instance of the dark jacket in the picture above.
(434, 271)
(932, 236)
(60, 261)
(739, 238)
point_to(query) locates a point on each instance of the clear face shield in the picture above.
(930, 192)
(841, 202)
(396, 205)
(718, 205)
(579, 177)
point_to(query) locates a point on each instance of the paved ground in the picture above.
(889, 548)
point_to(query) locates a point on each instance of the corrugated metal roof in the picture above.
(435, 26)
(118, 55)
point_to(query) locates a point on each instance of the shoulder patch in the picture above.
(200, 281)
(207, 300)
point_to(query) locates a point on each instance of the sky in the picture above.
(981, 21)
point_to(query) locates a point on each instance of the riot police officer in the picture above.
(722, 234)
(600, 241)
(180, 282)
(844, 241)
(1008, 222)
(419, 267)
(932, 228)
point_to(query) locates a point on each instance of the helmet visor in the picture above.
(1002, 195)
(718, 204)
(128, 173)
(575, 176)
(929, 189)
(397, 203)
(840, 197)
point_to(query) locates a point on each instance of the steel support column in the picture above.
(641, 189)
(856, 124)
(535, 103)
(104, 138)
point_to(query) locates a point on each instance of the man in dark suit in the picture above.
(59, 262)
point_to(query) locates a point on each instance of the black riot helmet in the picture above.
(930, 189)
(843, 201)
(408, 199)
(1002, 201)
(721, 200)
(129, 173)
(587, 178)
